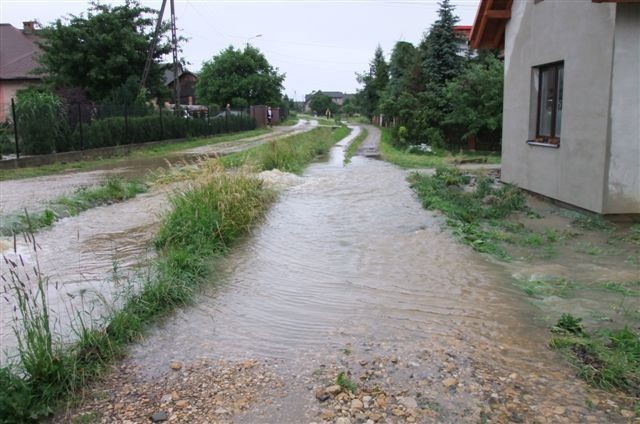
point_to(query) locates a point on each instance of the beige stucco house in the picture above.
(571, 126)
(18, 60)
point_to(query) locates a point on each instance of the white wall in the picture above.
(623, 194)
(581, 34)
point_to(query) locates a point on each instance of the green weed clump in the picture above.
(546, 287)
(606, 359)
(346, 383)
(469, 213)
(110, 191)
(355, 145)
(289, 154)
(204, 223)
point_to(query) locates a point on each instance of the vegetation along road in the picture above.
(347, 302)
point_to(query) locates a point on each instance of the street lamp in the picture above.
(251, 38)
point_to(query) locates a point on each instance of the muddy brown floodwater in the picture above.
(349, 273)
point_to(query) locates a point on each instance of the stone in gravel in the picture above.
(357, 405)
(166, 399)
(375, 417)
(626, 413)
(343, 420)
(397, 412)
(182, 404)
(333, 390)
(321, 395)
(221, 411)
(327, 414)
(159, 416)
(381, 401)
(559, 410)
(450, 382)
(408, 402)
(176, 366)
(363, 362)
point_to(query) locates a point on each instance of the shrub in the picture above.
(39, 120)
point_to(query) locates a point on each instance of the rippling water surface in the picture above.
(348, 254)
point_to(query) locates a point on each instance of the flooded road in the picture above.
(35, 193)
(349, 272)
(87, 259)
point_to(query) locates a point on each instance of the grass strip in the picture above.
(203, 223)
(155, 150)
(355, 145)
(608, 359)
(438, 157)
(110, 191)
(289, 154)
(469, 213)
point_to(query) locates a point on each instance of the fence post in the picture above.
(126, 124)
(80, 124)
(161, 125)
(15, 127)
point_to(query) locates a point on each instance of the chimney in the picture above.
(28, 27)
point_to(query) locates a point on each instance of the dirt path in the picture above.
(34, 193)
(370, 147)
(349, 280)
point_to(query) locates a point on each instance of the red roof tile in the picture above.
(18, 53)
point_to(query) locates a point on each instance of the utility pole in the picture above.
(152, 48)
(174, 42)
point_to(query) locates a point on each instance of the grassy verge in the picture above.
(289, 154)
(110, 191)
(355, 145)
(607, 359)
(204, 223)
(438, 158)
(474, 215)
(156, 150)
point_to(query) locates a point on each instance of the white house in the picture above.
(571, 125)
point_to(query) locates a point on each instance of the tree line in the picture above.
(97, 58)
(437, 92)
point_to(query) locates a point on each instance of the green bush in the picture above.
(39, 120)
(114, 132)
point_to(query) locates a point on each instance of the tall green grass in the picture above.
(204, 222)
(289, 154)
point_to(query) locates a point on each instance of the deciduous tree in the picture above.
(99, 52)
(244, 74)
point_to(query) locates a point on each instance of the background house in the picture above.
(337, 97)
(187, 81)
(18, 60)
(571, 122)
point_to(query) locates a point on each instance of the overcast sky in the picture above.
(319, 44)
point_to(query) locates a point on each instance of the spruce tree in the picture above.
(440, 48)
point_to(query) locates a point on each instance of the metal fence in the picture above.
(91, 125)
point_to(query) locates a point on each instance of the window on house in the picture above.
(549, 120)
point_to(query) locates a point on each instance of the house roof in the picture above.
(169, 76)
(491, 21)
(18, 53)
(332, 94)
(463, 30)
